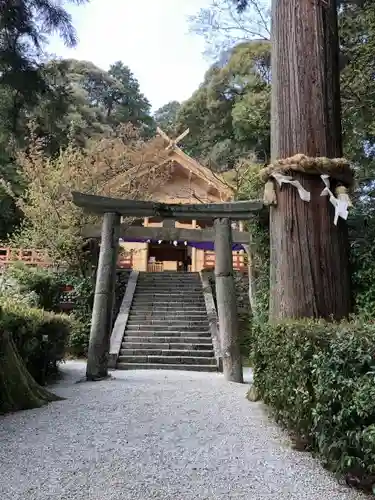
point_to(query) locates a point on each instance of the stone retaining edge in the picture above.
(212, 319)
(121, 320)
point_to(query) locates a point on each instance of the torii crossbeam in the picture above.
(236, 210)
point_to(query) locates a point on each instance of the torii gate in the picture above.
(112, 209)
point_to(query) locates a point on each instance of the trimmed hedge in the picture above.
(319, 380)
(43, 288)
(40, 337)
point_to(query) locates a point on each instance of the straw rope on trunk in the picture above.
(281, 171)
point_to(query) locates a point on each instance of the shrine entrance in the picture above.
(167, 256)
(111, 209)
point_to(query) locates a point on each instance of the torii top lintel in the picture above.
(236, 210)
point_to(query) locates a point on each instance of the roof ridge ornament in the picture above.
(172, 143)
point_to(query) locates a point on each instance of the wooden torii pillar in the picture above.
(112, 209)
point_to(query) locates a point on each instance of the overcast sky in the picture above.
(151, 37)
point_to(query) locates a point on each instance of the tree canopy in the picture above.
(24, 26)
(166, 117)
(228, 115)
(86, 101)
(225, 23)
(70, 102)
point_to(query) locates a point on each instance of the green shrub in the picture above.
(44, 289)
(10, 289)
(43, 284)
(82, 296)
(319, 379)
(78, 338)
(41, 337)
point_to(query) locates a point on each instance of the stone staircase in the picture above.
(168, 326)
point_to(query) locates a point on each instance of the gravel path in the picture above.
(146, 435)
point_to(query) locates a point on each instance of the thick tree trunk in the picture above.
(101, 323)
(309, 255)
(18, 390)
(227, 302)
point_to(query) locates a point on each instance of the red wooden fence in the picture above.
(125, 261)
(30, 257)
(39, 258)
(239, 260)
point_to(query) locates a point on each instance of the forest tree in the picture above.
(309, 259)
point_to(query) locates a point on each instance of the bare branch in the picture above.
(223, 26)
(114, 166)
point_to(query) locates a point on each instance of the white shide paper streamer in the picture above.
(340, 206)
(287, 179)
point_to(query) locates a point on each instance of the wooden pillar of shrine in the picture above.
(101, 323)
(227, 302)
(194, 250)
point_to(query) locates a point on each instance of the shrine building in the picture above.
(188, 182)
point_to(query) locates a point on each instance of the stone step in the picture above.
(172, 346)
(175, 293)
(176, 321)
(170, 281)
(169, 299)
(167, 339)
(167, 333)
(142, 299)
(199, 310)
(168, 289)
(167, 352)
(163, 319)
(200, 305)
(166, 327)
(170, 305)
(193, 287)
(169, 277)
(176, 313)
(158, 304)
(169, 274)
(169, 286)
(178, 287)
(190, 281)
(167, 316)
(178, 290)
(166, 366)
(186, 360)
